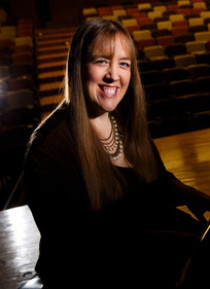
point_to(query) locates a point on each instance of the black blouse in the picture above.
(140, 238)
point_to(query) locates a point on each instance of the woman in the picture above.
(101, 197)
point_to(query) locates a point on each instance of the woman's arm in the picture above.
(57, 197)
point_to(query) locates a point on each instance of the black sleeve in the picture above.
(58, 200)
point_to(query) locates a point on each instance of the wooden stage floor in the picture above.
(186, 155)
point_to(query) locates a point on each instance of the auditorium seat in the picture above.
(192, 15)
(156, 91)
(3, 93)
(203, 58)
(142, 43)
(196, 102)
(183, 3)
(199, 28)
(144, 6)
(4, 72)
(144, 20)
(130, 24)
(176, 17)
(20, 116)
(119, 12)
(208, 45)
(175, 73)
(20, 98)
(49, 103)
(154, 51)
(24, 49)
(6, 46)
(195, 46)
(202, 84)
(164, 25)
(198, 70)
(23, 58)
(8, 32)
(205, 14)
(19, 110)
(140, 54)
(102, 11)
(22, 82)
(180, 22)
(144, 65)
(202, 36)
(185, 10)
(15, 135)
(207, 22)
(21, 32)
(132, 11)
(201, 120)
(152, 77)
(20, 69)
(13, 144)
(175, 49)
(177, 30)
(162, 19)
(141, 34)
(184, 60)
(87, 12)
(155, 14)
(173, 117)
(116, 7)
(160, 32)
(160, 63)
(48, 89)
(199, 5)
(5, 60)
(198, 21)
(181, 87)
(165, 40)
(150, 26)
(172, 7)
(24, 40)
(183, 38)
(158, 7)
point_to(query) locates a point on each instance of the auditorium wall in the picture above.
(55, 12)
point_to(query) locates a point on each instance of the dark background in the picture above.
(55, 13)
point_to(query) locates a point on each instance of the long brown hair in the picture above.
(102, 181)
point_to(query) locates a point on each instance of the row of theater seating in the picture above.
(26, 96)
(176, 95)
(136, 15)
(19, 104)
(145, 7)
(52, 47)
(159, 25)
(173, 42)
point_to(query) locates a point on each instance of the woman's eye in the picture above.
(101, 61)
(125, 64)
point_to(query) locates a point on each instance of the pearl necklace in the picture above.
(113, 145)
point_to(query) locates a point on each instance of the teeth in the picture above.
(109, 90)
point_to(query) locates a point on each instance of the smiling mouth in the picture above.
(108, 91)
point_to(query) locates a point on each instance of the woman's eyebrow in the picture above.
(108, 57)
(100, 56)
(125, 58)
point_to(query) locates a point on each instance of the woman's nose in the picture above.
(112, 72)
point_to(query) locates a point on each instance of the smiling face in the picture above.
(107, 76)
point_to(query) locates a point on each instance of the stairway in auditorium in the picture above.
(52, 47)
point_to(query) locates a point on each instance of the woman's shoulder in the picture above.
(52, 133)
(56, 123)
